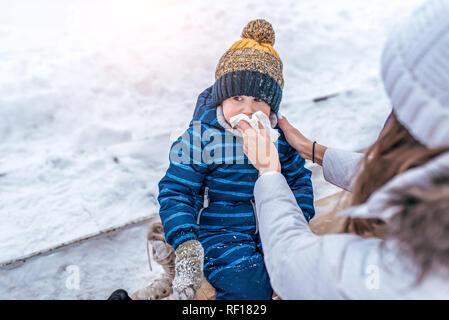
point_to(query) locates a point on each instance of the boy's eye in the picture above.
(257, 100)
(238, 98)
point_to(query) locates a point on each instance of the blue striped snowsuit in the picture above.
(233, 257)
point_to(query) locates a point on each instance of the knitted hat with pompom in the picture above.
(251, 67)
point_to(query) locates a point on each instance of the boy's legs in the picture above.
(234, 265)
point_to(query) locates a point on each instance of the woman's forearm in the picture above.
(282, 225)
(340, 167)
(301, 264)
(301, 143)
(306, 151)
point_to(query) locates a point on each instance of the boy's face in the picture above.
(243, 104)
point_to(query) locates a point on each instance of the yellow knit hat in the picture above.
(251, 67)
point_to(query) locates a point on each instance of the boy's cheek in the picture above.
(228, 113)
(233, 113)
(266, 109)
(229, 116)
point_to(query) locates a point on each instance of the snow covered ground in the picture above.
(92, 92)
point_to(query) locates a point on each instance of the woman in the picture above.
(401, 181)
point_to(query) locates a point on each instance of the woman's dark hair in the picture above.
(394, 152)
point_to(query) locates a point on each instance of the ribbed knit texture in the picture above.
(248, 83)
(415, 71)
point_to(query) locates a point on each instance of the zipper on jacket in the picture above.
(255, 215)
(205, 204)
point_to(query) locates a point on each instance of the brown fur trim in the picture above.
(422, 225)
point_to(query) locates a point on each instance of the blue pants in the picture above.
(234, 265)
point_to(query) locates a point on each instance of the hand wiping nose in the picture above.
(259, 148)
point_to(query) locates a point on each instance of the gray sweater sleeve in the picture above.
(339, 167)
(303, 265)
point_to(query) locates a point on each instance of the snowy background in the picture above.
(92, 92)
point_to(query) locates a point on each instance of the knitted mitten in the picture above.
(188, 270)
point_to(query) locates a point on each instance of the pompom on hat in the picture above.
(251, 67)
(415, 72)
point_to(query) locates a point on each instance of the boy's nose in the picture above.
(248, 112)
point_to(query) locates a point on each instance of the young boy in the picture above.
(206, 196)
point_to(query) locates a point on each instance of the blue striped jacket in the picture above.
(207, 157)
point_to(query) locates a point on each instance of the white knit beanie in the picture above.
(415, 72)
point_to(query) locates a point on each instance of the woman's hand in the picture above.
(259, 149)
(298, 141)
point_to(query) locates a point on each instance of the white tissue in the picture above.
(256, 117)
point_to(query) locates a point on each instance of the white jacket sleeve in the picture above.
(339, 167)
(303, 265)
